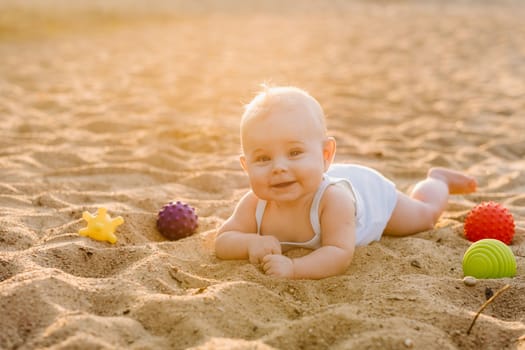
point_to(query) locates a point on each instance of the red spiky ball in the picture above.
(489, 220)
(177, 220)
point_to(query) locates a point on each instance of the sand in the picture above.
(128, 106)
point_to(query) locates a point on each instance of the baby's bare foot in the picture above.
(458, 183)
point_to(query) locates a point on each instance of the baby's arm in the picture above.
(338, 241)
(237, 237)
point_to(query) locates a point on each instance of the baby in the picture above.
(298, 198)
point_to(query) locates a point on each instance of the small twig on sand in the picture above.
(485, 304)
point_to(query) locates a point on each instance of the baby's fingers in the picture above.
(271, 265)
(266, 259)
(267, 263)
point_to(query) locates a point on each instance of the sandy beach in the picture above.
(131, 105)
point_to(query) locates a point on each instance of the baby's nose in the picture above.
(279, 164)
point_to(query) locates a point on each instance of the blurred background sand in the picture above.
(129, 104)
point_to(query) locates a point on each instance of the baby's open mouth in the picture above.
(283, 184)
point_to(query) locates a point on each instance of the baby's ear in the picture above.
(242, 159)
(329, 148)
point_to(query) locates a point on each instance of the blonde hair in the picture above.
(281, 98)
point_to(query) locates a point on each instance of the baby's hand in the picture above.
(278, 265)
(262, 246)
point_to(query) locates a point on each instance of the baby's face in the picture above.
(283, 153)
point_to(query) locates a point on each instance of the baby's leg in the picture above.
(421, 210)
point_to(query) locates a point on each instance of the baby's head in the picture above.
(282, 100)
(284, 143)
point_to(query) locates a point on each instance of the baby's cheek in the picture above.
(258, 178)
(258, 187)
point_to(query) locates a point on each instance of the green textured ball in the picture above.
(489, 258)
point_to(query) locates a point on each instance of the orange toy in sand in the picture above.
(489, 220)
(101, 226)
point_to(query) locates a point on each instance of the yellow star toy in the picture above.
(101, 226)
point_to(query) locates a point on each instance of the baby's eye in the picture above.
(295, 153)
(261, 159)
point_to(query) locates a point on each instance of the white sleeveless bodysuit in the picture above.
(375, 198)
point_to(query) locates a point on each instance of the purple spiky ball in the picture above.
(177, 220)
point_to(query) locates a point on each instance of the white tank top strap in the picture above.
(314, 208)
(259, 212)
